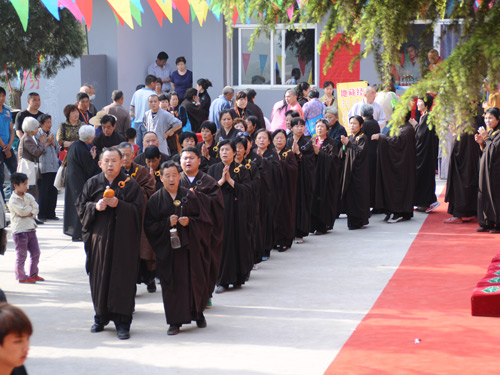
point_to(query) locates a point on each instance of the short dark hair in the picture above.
(81, 95)
(292, 113)
(263, 131)
(172, 93)
(116, 95)
(159, 80)
(251, 94)
(108, 118)
(297, 121)
(239, 120)
(224, 111)
(359, 118)
(168, 164)
(2, 91)
(254, 120)
(328, 83)
(149, 79)
(241, 140)
(13, 320)
(190, 94)
(210, 126)
(494, 111)
(227, 142)
(162, 56)
(130, 133)
(180, 59)
(185, 135)
(194, 150)
(163, 97)
(205, 83)
(17, 178)
(152, 152)
(277, 131)
(33, 94)
(313, 94)
(68, 109)
(428, 99)
(42, 118)
(241, 95)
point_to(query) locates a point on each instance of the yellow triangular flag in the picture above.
(166, 7)
(122, 8)
(200, 8)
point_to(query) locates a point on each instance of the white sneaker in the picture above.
(432, 207)
(395, 219)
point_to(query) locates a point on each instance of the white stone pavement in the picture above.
(292, 317)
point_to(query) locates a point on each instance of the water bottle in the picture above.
(175, 241)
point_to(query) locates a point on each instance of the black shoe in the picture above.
(55, 218)
(38, 221)
(152, 286)
(173, 329)
(123, 333)
(202, 322)
(96, 327)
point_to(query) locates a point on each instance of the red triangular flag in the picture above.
(157, 11)
(235, 16)
(86, 9)
(183, 8)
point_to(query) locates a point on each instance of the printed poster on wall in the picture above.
(348, 93)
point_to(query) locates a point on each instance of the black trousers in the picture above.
(47, 196)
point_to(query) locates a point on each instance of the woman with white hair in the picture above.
(335, 129)
(29, 151)
(81, 164)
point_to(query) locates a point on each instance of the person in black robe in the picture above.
(153, 162)
(191, 110)
(253, 165)
(227, 130)
(371, 127)
(426, 142)
(147, 266)
(237, 253)
(205, 100)
(396, 173)
(463, 175)
(325, 206)
(255, 109)
(109, 137)
(336, 130)
(355, 187)
(210, 196)
(302, 147)
(209, 148)
(270, 188)
(189, 139)
(110, 208)
(176, 229)
(150, 139)
(284, 221)
(488, 200)
(81, 164)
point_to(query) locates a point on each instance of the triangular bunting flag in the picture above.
(72, 7)
(246, 59)
(290, 13)
(183, 8)
(263, 61)
(53, 7)
(166, 7)
(157, 11)
(235, 16)
(138, 5)
(200, 9)
(302, 64)
(22, 8)
(216, 11)
(136, 14)
(122, 9)
(85, 7)
(278, 62)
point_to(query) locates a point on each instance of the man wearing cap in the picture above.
(161, 69)
(118, 110)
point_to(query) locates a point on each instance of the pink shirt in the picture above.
(278, 118)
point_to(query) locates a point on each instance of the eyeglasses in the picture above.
(243, 134)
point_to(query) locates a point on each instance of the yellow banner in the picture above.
(348, 94)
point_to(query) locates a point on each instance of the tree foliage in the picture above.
(383, 27)
(47, 46)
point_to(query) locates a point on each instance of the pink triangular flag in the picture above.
(246, 59)
(290, 13)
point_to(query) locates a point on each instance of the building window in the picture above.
(284, 57)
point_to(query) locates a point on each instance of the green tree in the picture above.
(383, 26)
(47, 46)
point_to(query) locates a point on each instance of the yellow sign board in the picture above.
(348, 94)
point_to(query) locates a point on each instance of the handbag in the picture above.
(30, 169)
(183, 112)
(60, 180)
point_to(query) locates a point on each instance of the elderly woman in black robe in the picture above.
(488, 205)
(355, 187)
(284, 220)
(325, 206)
(81, 164)
(237, 253)
(301, 146)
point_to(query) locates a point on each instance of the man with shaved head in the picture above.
(378, 111)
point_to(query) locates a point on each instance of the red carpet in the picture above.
(429, 298)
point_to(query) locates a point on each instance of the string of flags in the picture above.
(128, 11)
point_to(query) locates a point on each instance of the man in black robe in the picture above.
(210, 196)
(108, 138)
(370, 127)
(150, 139)
(153, 163)
(177, 230)
(112, 232)
(396, 171)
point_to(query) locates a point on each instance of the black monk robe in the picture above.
(184, 272)
(426, 143)
(488, 205)
(370, 127)
(112, 242)
(210, 197)
(237, 252)
(396, 171)
(325, 206)
(463, 174)
(305, 180)
(284, 221)
(355, 185)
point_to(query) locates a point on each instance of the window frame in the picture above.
(282, 28)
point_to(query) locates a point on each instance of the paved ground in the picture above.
(292, 317)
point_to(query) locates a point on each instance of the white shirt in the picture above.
(378, 112)
(22, 206)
